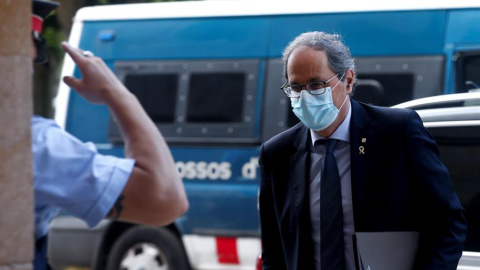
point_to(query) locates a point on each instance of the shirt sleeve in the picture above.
(73, 176)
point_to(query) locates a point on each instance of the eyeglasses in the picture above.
(313, 88)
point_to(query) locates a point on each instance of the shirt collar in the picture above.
(342, 132)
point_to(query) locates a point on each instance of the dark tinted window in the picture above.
(460, 152)
(384, 89)
(216, 97)
(156, 93)
(472, 71)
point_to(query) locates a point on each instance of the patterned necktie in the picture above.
(332, 250)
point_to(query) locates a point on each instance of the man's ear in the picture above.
(349, 79)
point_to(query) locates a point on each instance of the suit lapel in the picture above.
(361, 138)
(298, 173)
(298, 176)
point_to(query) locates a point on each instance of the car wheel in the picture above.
(147, 248)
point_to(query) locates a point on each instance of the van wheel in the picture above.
(147, 248)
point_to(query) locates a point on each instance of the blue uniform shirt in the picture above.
(71, 175)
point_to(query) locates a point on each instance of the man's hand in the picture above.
(98, 83)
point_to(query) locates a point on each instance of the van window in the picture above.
(467, 70)
(460, 152)
(387, 81)
(472, 71)
(208, 101)
(384, 89)
(216, 97)
(156, 93)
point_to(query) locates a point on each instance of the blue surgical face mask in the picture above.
(316, 112)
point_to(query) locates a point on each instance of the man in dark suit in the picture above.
(349, 167)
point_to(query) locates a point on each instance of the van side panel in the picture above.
(388, 33)
(236, 37)
(463, 27)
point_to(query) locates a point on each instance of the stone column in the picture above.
(16, 189)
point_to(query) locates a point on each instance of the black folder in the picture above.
(386, 250)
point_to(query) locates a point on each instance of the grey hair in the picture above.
(339, 57)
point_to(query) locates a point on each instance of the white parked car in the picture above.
(454, 121)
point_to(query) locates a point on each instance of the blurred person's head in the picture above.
(40, 10)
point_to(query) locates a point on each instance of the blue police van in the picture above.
(209, 73)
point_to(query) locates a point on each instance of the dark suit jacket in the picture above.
(398, 184)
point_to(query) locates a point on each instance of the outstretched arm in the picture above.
(154, 193)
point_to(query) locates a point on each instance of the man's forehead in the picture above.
(307, 60)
